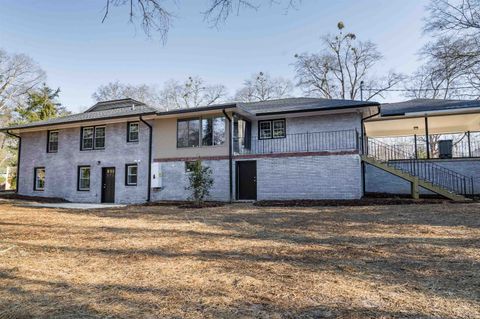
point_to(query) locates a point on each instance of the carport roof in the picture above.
(427, 106)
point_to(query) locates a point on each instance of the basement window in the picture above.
(39, 179)
(83, 178)
(131, 171)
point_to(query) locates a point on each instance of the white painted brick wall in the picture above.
(309, 177)
(61, 168)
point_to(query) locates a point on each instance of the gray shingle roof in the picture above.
(114, 104)
(123, 108)
(301, 104)
(426, 105)
(90, 116)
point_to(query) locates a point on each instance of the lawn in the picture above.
(241, 261)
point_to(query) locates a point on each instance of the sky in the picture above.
(79, 53)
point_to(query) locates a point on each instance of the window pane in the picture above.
(132, 175)
(99, 137)
(218, 130)
(87, 139)
(193, 133)
(133, 132)
(84, 179)
(182, 134)
(39, 178)
(53, 142)
(265, 129)
(207, 131)
(278, 128)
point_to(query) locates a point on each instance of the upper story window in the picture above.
(132, 131)
(213, 131)
(272, 129)
(93, 137)
(83, 178)
(188, 133)
(52, 142)
(131, 171)
(39, 179)
(201, 131)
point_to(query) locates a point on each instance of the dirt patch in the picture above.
(241, 261)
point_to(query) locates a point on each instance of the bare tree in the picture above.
(445, 73)
(340, 68)
(454, 15)
(262, 87)
(455, 25)
(193, 92)
(116, 90)
(18, 74)
(157, 15)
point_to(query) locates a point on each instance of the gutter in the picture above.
(18, 158)
(230, 154)
(149, 158)
(362, 127)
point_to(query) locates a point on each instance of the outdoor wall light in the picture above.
(99, 162)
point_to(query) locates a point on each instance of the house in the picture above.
(124, 151)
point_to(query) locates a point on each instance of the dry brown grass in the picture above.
(241, 261)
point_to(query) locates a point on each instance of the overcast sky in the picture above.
(79, 53)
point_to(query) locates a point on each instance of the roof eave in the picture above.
(319, 109)
(5, 129)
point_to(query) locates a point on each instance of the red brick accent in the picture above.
(186, 159)
(248, 156)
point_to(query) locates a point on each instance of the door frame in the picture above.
(237, 180)
(102, 182)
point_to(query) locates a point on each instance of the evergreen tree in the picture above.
(41, 104)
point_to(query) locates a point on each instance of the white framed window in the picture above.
(132, 132)
(39, 179)
(272, 129)
(83, 178)
(52, 142)
(99, 137)
(87, 138)
(264, 129)
(131, 171)
(93, 138)
(278, 128)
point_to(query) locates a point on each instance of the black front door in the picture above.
(247, 180)
(108, 184)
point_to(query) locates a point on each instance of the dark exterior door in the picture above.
(247, 180)
(108, 184)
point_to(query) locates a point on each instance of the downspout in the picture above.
(230, 154)
(149, 158)
(362, 127)
(18, 158)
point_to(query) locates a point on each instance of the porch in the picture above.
(428, 141)
(308, 142)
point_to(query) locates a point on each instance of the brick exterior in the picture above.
(322, 175)
(378, 181)
(61, 168)
(175, 180)
(309, 177)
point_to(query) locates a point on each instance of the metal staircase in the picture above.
(420, 173)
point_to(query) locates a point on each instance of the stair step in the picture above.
(409, 177)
